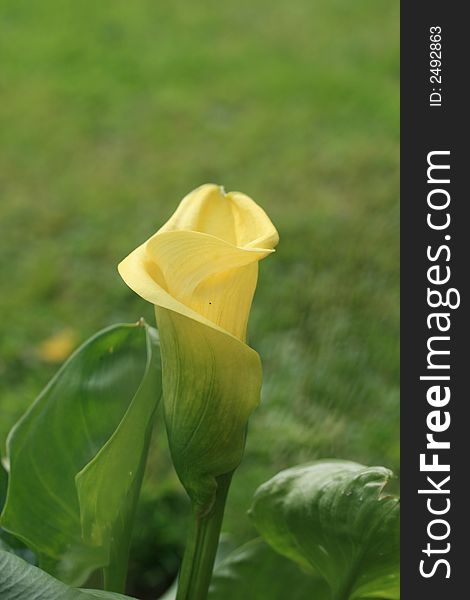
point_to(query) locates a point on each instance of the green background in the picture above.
(110, 112)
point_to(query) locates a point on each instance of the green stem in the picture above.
(114, 576)
(199, 555)
(343, 592)
(115, 572)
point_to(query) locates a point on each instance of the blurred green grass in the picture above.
(111, 112)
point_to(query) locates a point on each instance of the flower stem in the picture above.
(199, 555)
(114, 577)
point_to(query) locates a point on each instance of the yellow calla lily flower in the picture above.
(200, 271)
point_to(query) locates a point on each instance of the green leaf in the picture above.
(256, 572)
(333, 516)
(77, 456)
(7, 541)
(21, 581)
(3, 486)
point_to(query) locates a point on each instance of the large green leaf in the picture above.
(3, 486)
(21, 581)
(256, 572)
(333, 516)
(7, 541)
(77, 456)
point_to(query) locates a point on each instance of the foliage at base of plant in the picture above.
(76, 458)
(76, 461)
(334, 517)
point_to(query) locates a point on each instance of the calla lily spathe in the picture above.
(200, 271)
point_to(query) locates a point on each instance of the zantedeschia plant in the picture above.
(76, 459)
(200, 271)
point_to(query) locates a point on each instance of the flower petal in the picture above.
(145, 279)
(213, 277)
(211, 385)
(233, 217)
(205, 210)
(253, 227)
